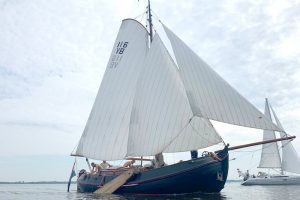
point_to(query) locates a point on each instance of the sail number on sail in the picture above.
(116, 58)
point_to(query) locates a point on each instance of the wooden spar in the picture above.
(114, 184)
(88, 163)
(262, 142)
(145, 159)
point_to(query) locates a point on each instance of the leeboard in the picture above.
(114, 184)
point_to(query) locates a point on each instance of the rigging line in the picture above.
(248, 154)
(201, 135)
(247, 151)
(253, 165)
(251, 161)
(156, 16)
(210, 124)
(76, 146)
(277, 120)
(142, 18)
(141, 14)
(176, 135)
(283, 145)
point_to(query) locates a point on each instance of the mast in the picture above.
(150, 21)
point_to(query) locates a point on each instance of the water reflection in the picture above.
(195, 196)
(232, 191)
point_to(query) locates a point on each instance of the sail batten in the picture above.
(210, 96)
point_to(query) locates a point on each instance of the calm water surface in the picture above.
(232, 190)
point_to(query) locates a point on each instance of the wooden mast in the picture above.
(150, 21)
(151, 37)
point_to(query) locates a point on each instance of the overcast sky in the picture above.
(53, 55)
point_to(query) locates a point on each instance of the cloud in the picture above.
(53, 56)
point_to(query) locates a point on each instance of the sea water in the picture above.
(232, 190)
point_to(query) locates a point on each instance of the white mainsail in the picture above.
(147, 105)
(211, 96)
(106, 133)
(270, 157)
(290, 158)
(162, 119)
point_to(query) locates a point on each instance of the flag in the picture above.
(72, 175)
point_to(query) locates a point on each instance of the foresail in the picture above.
(106, 133)
(211, 96)
(200, 133)
(290, 158)
(270, 157)
(161, 116)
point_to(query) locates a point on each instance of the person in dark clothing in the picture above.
(194, 154)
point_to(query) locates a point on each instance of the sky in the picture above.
(53, 55)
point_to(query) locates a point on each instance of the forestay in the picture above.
(106, 133)
(162, 119)
(270, 157)
(211, 96)
(290, 158)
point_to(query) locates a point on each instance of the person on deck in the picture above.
(194, 154)
(129, 163)
(159, 160)
(242, 174)
(95, 168)
(105, 165)
(247, 174)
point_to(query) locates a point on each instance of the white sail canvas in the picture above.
(270, 157)
(290, 158)
(199, 134)
(211, 96)
(161, 114)
(106, 133)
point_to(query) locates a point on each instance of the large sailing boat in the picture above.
(270, 158)
(148, 105)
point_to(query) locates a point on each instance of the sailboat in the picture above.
(270, 158)
(148, 104)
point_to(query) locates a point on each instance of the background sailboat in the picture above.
(271, 159)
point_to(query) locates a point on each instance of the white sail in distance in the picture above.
(106, 133)
(161, 114)
(211, 96)
(290, 158)
(270, 157)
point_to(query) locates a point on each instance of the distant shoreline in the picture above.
(37, 182)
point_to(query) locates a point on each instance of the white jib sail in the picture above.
(270, 157)
(106, 133)
(160, 120)
(211, 96)
(290, 158)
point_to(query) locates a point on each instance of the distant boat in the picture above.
(270, 159)
(148, 105)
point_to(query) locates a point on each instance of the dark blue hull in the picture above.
(204, 174)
